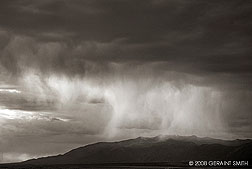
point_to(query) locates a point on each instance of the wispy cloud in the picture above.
(29, 115)
(10, 91)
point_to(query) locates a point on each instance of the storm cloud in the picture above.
(77, 72)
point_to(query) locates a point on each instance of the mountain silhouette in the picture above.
(153, 149)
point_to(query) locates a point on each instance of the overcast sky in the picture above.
(77, 72)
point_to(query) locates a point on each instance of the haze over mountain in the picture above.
(153, 149)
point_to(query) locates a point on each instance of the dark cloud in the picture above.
(100, 70)
(62, 36)
(195, 34)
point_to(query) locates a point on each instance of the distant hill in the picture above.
(153, 149)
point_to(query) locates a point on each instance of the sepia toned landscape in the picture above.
(125, 84)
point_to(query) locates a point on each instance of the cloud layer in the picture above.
(77, 72)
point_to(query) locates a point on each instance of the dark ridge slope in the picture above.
(155, 149)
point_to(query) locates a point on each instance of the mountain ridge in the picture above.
(153, 149)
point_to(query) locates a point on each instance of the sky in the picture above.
(77, 72)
